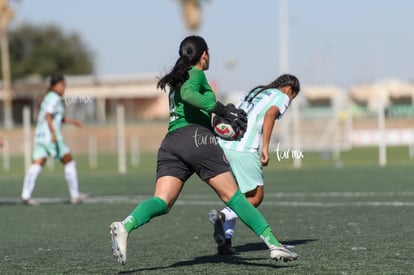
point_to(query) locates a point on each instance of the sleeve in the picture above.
(282, 104)
(197, 92)
(50, 104)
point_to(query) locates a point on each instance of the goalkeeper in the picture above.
(191, 102)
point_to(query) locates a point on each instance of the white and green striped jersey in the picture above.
(256, 111)
(52, 104)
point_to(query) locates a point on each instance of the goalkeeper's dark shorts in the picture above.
(191, 149)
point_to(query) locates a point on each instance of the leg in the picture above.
(166, 192)
(249, 216)
(71, 176)
(247, 170)
(255, 197)
(224, 185)
(217, 218)
(227, 190)
(29, 181)
(167, 189)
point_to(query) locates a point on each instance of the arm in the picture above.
(75, 122)
(268, 123)
(197, 92)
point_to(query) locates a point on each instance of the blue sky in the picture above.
(335, 42)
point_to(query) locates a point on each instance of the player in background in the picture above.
(190, 147)
(263, 104)
(48, 141)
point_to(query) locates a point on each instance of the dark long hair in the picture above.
(191, 49)
(282, 81)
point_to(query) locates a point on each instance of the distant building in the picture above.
(94, 99)
(395, 96)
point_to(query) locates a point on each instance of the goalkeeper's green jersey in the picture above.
(194, 102)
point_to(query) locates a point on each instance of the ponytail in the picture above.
(191, 49)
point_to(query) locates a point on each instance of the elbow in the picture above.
(186, 98)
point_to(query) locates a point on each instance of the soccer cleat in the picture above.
(217, 218)
(281, 253)
(226, 249)
(30, 202)
(119, 241)
(79, 199)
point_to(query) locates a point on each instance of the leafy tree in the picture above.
(46, 49)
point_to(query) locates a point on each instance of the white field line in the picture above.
(210, 200)
(338, 194)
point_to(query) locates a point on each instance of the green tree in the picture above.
(47, 49)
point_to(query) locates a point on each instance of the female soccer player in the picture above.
(190, 147)
(49, 142)
(263, 104)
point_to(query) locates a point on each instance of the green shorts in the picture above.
(56, 150)
(246, 168)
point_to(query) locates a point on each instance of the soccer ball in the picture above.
(223, 129)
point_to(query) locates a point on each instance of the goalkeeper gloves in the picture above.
(236, 117)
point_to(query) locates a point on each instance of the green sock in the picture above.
(252, 217)
(268, 237)
(247, 213)
(144, 212)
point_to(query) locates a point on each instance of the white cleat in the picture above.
(119, 241)
(79, 199)
(30, 202)
(281, 253)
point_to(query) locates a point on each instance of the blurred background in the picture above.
(353, 59)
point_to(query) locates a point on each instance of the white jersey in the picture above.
(256, 111)
(52, 104)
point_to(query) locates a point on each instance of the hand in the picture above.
(54, 139)
(264, 157)
(236, 117)
(77, 123)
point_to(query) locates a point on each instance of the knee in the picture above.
(226, 197)
(255, 197)
(255, 201)
(66, 158)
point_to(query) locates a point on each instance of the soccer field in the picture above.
(356, 219)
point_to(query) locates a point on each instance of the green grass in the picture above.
(357, 219)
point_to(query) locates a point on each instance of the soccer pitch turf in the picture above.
(356, 219)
